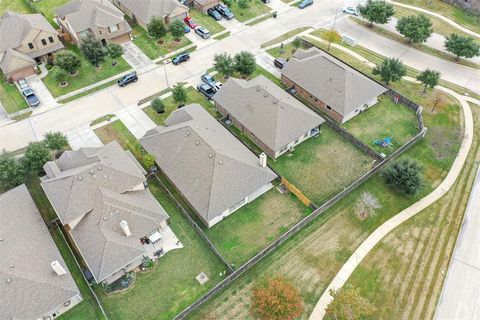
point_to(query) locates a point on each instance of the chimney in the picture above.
(57, 267)
(263, 160)
(125, 228)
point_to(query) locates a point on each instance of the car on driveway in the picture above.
(30, 97)
(207, 90)
(214, 14)
(190, 22)
(305, 3)
(202, 32)
(128, 78)
(182, 57)
(208, 79)
(22, 83)
(351, 10)
(186, 29)
(224, 11)
(279, 63)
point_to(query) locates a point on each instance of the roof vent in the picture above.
(1, 239)
(220, 162)
(275, 101)
(259, 89)
(265, 94)
(187, 133)
(218, 148)
(9, 280)
(99, 168)
(104, 218)
(91, 172)
(12, 266)
(58, 268)
(197, 142)
(80, 178)
(210, 155)
(125, 228)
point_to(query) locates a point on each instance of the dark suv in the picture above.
(224, 11)
(128, 78)
(182, 57)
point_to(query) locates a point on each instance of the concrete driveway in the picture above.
(82, 137)
(135, 120)
(136, 58)
(41, 91)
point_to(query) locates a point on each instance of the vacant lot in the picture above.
(12, 100)
(322, 166)
(385, 119)
(244, 233)
(151, 48)
(254, 9)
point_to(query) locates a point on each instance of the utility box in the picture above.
(349, 40)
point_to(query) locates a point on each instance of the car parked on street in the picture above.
(207, 90)
(351, 10)
(305, 3)
(182, 57)
(190, 22)
(30, 97)
(214, 14)
(127, 79)
(202, 32)
(224, 11)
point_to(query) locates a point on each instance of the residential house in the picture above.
(25, 40)
(268, 115)
(35, 281)
(215, 173)
(203, 5)
(142, 11)
(100, 197)
(330, 85)
(99, 19)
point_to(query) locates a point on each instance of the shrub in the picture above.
(60, 76)
(68, 61)
(157, 105)
(404, 176)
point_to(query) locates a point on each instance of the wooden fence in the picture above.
(299, 194)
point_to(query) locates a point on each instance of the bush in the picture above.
(243, 4)
(158, 105)
(177, 29)
(68, 61)
(60, 76)
(404, 176)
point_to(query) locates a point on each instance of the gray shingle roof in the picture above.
(12, 55)
(209, 166)
(330, 80)
(144, 10)
(266, 110)
(90, 14)
(26, 244)
(95, 186)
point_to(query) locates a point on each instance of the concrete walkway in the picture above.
(136, 58)
(135, 120)
(83, 137)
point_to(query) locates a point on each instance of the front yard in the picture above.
(10, 97)
(151, 48)
(251, 228)
(383, 120)
(254, 9)
(206, 21)
(322, 166)
(87, 75)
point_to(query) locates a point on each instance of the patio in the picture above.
(167, 241)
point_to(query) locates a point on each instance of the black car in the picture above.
(182, 57)
(128, 78)
(224, 11)
(214, 14)
(206, 90)
(279, 63)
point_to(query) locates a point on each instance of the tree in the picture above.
(376, 11)
(156, 28)
(460, 46)
(296, 43)
(36, 155)
(391, 69)
(56, 141)
(93, 51)
(416, 29)
(404, 176)
(148, 160)
(12, 172)
(245, 63)
(429, 78)
(276, 299)
(224, 64)
(349, 304)
(114, 51)
(158, 106)
(61, 76)
(243, 4)
(331, 36)
(179, 94)
(68, 61)
(177, 29)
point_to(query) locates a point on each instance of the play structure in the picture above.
(384, 143)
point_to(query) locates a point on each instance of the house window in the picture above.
(113, 28)
(50, 39)
(30, 45)
(316, 100)
(44, 42)
(329, 108)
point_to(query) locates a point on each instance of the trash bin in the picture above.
(275, 14)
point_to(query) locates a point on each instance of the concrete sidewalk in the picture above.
(135, 120)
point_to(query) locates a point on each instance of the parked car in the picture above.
(305, 3)
(206, 90)
(190, 22)
(279, 63)
(202, 32)
(224, 11)
(186, 29)
(214, 14)
(184, 2)
(217, 85)
(182, 57)
(128, 78)
(30, 97)
(351, 10)
(208, 79)
(22, 83)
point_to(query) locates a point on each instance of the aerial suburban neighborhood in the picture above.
(239, 159)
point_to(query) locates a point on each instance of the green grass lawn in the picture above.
(251, 228)
(116, 130)
(322, 166)
(284, 37)
(15, 6)
(206, 21)
(258, 71)
(47, 7)
(255, 8)
(10, 97)
(384, 119)
(151, 48)
(285, 52)
(87, 75)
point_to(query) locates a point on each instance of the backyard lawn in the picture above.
(383, 120)
(11, 99)
(322, 166)
(251, 228)
(254, 9)
(15, 6)
(47, 7)
(151, 49)
(206, 21)
(87, 75)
